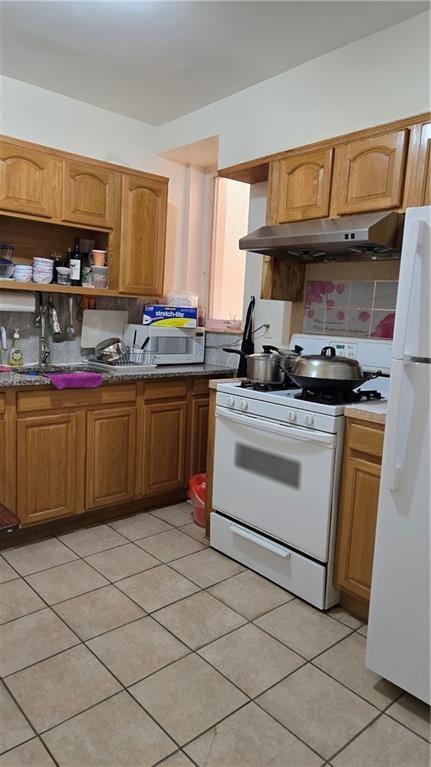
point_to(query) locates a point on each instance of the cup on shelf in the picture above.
(98, 257)
(100, 276)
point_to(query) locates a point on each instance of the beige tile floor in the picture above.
(132, 644)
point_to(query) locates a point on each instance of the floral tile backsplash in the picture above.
(365, 309)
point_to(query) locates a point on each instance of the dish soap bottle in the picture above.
(16, 358)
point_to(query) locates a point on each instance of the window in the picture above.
(227, 265)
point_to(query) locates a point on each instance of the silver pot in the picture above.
(265, 367)
(327, 366)
(287, 356)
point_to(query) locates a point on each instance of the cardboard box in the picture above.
(170, 316)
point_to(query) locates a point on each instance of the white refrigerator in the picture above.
(398, 644)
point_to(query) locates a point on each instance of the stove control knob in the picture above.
(291, 416)
(243, 404)
(308, 420)
(230, 402)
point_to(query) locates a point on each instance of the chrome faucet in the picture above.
(44, 350)
(3, 341)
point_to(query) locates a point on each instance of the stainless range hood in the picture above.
(357, 237)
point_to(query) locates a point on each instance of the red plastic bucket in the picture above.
(197, 495)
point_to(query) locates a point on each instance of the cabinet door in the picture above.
(299, 187)
(50, 460)
(357, 513)
(111, 439)
(164, 446)
(3, 448)
(88, 194)
(199, 434)
(419, 188)
(359, 501)
(143, 235)
(369, 174)
(29, 181)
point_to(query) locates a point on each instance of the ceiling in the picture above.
(156, 61)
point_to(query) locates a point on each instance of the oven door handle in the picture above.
(259, 541)
(275, 428)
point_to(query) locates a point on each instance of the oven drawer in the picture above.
(275, 561)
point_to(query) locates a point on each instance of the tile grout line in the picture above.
(123, 688)
(247, 622)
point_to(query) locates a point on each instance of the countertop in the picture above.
(368, 411)
(18, 380)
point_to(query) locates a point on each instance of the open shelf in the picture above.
(79, 290)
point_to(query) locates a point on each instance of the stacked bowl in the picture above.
(43, 269)
(22, 273)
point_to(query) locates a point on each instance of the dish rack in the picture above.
(135, 357)
(133, 360)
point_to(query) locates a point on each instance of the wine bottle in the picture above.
(76, 265)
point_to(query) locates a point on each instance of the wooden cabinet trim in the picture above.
(257, 170)
(47, 399)
(77, 157)
(165, 389)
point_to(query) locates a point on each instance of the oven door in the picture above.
(275, 478)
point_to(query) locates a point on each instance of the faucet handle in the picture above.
(3, 339)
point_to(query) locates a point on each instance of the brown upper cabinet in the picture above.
(88, 194)
(143, 234)
(369, 174)
(29, 181)
(418, 191)
(300, 187)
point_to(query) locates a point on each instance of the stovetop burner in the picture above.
(338, 397)
(265, 387)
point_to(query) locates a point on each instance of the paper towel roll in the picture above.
(16, 301)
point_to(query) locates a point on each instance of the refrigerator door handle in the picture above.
(392, 470)
(411, 338)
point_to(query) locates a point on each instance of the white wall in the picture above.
(34, 114)
(276, 313)
(375, 80)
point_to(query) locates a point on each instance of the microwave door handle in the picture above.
(274, 428)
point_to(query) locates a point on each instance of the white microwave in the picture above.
(170, 346)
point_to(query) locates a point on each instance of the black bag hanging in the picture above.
(247, 344)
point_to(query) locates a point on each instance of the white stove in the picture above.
(276, 474)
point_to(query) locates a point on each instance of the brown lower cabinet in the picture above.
(110, 454)
(357, 513)
(72, 451)
(50, 467)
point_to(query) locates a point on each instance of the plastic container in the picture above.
(6, 251)
(63, 275)
(100, 276)
(197, 494)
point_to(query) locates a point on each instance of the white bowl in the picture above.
(40, 260)
(42, 269)
(42, 278)
(63, 270)
(22, 277)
